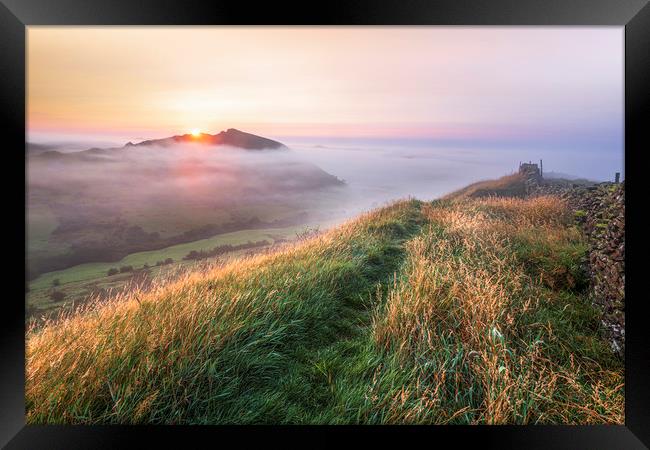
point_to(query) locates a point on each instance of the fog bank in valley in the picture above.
(376, 172)
(102, 204)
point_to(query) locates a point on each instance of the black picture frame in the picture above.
(16, 15)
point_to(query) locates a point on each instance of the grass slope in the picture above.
(467, 311)
(508, 186)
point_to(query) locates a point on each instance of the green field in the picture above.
(80, 281)
(90, 271)
(105, 232)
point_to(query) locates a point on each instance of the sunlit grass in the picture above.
(506, 186)
(485, 314)
(468, 311)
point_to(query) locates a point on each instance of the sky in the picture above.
(488, 87)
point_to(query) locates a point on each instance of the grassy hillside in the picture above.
(508, 186)
(457, 311)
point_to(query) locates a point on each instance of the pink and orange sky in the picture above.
(130, 83)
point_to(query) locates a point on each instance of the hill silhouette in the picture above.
(231, 137)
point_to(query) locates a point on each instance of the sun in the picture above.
(196, 132)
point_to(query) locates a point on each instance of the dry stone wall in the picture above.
(600, 210)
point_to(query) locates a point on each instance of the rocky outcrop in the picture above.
(600, 211)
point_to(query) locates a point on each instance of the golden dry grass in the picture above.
(507, 186)
(469, 316)
(467, 311)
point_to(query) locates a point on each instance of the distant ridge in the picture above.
(231, 137)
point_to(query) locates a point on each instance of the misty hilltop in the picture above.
(231, 137)
(185, 157)
(102, 204)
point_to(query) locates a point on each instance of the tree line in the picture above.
(221, 249)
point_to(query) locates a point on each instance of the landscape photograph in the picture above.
(332, 225)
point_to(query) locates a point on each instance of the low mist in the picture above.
(102, 204)
(425, 171)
